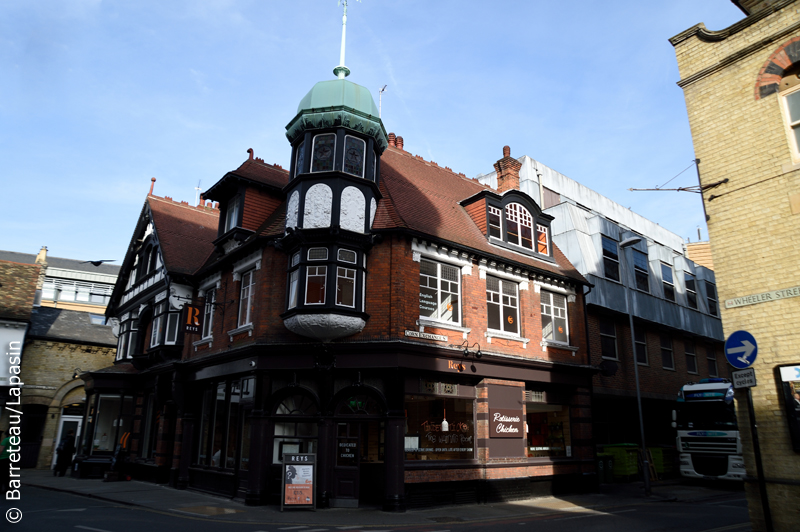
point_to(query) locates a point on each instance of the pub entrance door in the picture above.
(358, 476)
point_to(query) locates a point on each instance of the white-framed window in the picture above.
(640, 339)
(667, 359)
(519, 226)
(502, 305)
(345, 287)
(711, 298)
(542, 239)
(790, 103)
(608, 339)
(171, 336)
(439, 291)
(555, 326)
(711, 358)
(691, 289)
(610, 259)
(315, 284)
(246, 298)
(495, 224)
(318, 254)
(293, 281)
(346, 255)
(668, 282)
(232, 214)
(691, 357)
(355, 151)
(641, 271)
(157, 329)
(322, 152)
(126, 344)
(208, 314)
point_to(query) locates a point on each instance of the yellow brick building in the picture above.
(743, 99)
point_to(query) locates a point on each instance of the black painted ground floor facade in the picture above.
(393, 424)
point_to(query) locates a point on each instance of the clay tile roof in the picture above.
(425, 198)
(260, 172)
(17, 289)
(185, 233)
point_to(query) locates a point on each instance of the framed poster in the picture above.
(299, 478)
(789, 382)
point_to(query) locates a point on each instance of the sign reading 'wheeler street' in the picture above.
(763, 297)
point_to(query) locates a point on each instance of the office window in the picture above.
(322, 152)
(502, 305)
(554, 317)
(668, 282)
(641, 271)
(232, 214)
(610, 259)
(608, 339)
(439, 287)
(494, 222)
(640, 338)
(691, 290)
(711, 357)
(246, 298)
(691, 357)
(208, 314)
(667, 361)
(711, 297)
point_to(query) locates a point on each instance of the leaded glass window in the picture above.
(301, 158)
(354, 156)
(322, 156)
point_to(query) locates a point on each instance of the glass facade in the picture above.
(428, 437)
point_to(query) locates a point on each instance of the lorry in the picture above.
(708, 439)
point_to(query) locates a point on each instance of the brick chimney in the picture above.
(507, 170)
(392, 140)
(399, 142)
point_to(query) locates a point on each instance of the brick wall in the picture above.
(741, 135)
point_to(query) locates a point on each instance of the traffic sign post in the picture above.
(741, 350)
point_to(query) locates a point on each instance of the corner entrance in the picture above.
(358, 477)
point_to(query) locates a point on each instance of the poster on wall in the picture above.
(299, 477)
(790, 382)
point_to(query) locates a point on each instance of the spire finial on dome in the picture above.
(342, 71)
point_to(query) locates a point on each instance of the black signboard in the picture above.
(299, 478)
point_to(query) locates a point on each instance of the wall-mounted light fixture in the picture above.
(465, 345)
(78, 371)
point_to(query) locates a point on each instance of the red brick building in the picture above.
(417, 331)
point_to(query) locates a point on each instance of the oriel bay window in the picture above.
(554, 317)
(439, 428)
(502, 305)
(164, 328)
(128, 335)
(309, 279)
(439, 288)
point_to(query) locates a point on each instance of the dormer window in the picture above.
(322, 153)
(232, 214)
(516, 225)
(354, 150)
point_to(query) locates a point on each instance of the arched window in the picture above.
(516, 225)
(359, 405)
(519, 226)
(294, 435)
(789, 91)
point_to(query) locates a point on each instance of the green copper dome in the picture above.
(338, 103)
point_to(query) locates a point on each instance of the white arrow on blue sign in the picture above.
(741, 349)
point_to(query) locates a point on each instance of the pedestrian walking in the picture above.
(64, 452)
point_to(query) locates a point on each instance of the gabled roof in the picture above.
(17, 289)
(185, 233)
(70, 326)
(254, 170)
(424, 197)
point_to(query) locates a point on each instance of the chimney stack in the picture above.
(152, 184)
(399, 142)
(507, 170)
(392, 140)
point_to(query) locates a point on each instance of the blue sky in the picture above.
(97, 97)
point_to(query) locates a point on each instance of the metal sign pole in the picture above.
(762, 486)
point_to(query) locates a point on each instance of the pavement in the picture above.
(163, 499)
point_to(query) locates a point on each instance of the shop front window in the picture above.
(224, 425)
(294, 435)
(548, 431)
(439, 428)
(113, 416)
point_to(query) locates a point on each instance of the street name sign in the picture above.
(741, 349)
(744, 378)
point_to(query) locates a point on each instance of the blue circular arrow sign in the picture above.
(741, 349)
